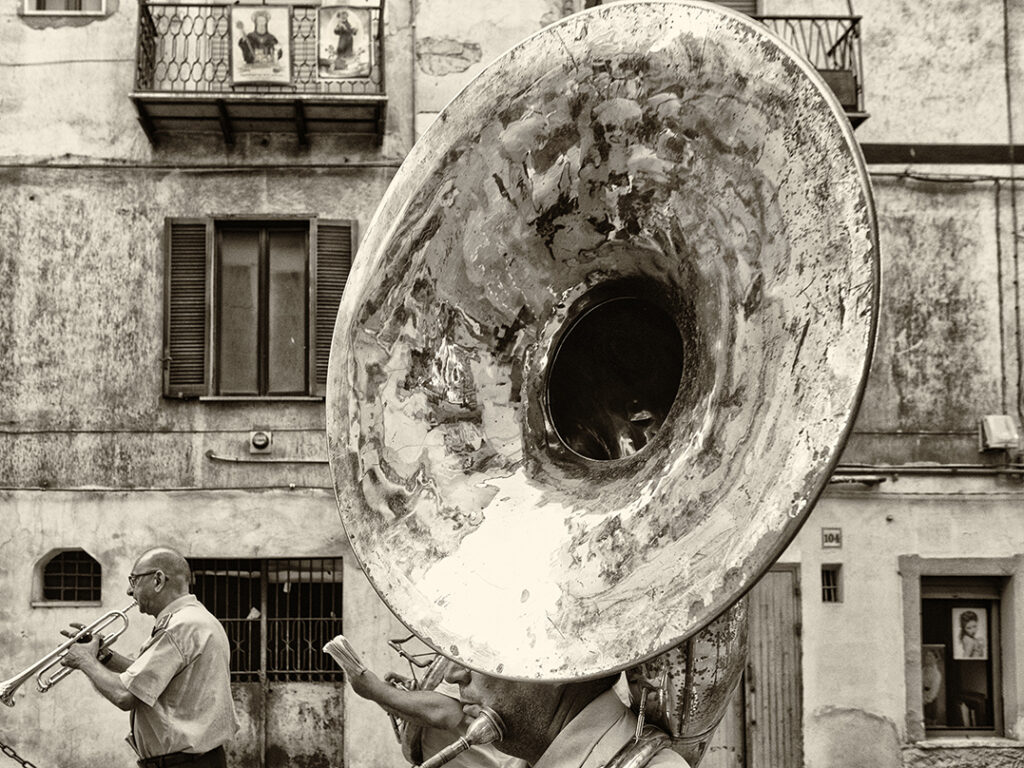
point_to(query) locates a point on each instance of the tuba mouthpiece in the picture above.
(486, 728)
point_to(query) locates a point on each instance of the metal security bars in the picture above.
(194, 75)
(831, 586)
(278, 614)
(832, 45)
(72, 576)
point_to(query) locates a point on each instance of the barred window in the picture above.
(278, 614)
(72, 576)
(831, 584)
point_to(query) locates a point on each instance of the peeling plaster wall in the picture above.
(455, 41)
(947, 350)
(857, 738)
(82, 339)
(114, 527)
(933, 72)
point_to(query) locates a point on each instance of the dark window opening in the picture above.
(65, 6)
(72, 576)
(831, 583)
(278, 614)
(262, 311)
(960, 654)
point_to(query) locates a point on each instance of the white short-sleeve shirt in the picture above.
(183, 683)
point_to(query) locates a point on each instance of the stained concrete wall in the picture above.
(82, 341)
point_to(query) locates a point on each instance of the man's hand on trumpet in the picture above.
(82, 653)
(107, 657)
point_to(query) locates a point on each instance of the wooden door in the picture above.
(763, 725)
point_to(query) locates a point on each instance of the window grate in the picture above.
(831, 591)
(278, 614)
(73, 576)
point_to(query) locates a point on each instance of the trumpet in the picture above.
(41, 668)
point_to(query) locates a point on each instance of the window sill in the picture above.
(73, 14)
(66, 604)
(966, 742)
(258, 399)
(944, 751)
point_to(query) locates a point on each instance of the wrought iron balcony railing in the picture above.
(188, 75)
(195, 69)
(832, 45)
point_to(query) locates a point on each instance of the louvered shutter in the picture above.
(185, 311)
(333, 250)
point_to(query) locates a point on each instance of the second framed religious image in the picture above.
(344, 37)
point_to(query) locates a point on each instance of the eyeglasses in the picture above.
(133, 578)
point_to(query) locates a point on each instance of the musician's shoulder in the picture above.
(189, 613)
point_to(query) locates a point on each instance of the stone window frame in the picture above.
(1011, 639)
(28, 9)
(39, 599)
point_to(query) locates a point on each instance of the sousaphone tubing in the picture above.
(603, 341)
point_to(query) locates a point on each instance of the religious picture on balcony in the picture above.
(969, 640)
(344, 42)
(261, 44)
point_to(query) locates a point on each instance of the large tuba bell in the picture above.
(603, 341)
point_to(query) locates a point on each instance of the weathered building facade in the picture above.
(143, 167)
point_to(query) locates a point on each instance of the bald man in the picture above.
(178, 689)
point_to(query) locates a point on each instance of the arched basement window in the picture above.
(72, 576)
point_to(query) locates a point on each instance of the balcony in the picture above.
(233, 69)
(832, 45)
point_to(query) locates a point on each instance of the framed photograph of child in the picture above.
(261, 50)
(344, 49)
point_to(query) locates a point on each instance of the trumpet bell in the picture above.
(603, 340)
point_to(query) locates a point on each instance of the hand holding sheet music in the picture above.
(342, 652)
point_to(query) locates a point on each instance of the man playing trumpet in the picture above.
(178, 689)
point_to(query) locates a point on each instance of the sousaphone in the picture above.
(603, 342)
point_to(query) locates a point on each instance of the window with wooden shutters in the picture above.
(65, 7)
(333, 261)
(250, 305)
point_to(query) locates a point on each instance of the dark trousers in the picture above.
(215, 758)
